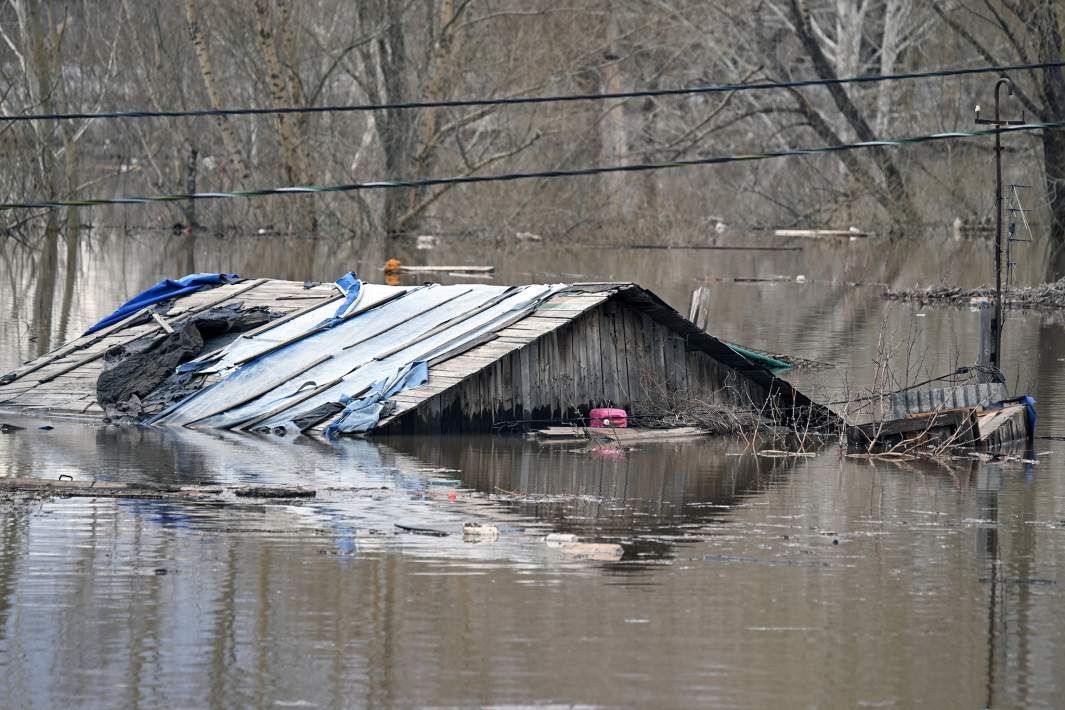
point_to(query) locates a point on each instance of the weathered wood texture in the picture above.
(928, 399)
(574, 353)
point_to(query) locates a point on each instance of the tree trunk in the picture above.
(440, 66)
(395, 128)
(239, 173)
(1054, 168)
(1050, 44)
(901, 211)
(614, 134)
(891, 36)
(191, 165)
(287, 128)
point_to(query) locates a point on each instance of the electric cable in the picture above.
(545, 174)
(526, 100)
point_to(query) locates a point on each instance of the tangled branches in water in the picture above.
(1044, 296)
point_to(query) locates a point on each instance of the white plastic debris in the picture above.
(444, 482)
(558, 539)
(480, 531)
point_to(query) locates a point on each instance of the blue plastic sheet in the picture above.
(362, 414)
(163, 291)
(1029, 410)
(351, 287)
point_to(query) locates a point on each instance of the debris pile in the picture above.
(1050, 296)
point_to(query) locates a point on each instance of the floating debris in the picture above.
(557, 539)
(66, 486)
(480, 531)
(1045, 296)
(414, 530)
(604, 552)
(444, 482)
(847, 234)
(625, 436)
(274, 492)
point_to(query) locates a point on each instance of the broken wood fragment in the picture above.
(822, 233)
(162, 323)
(434, 269)
(602, 552)
(274, 492)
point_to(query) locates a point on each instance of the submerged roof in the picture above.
(334, 353)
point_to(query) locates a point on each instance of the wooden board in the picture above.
(584, 435)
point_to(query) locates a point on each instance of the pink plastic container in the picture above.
(605, 417)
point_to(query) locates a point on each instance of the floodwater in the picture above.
(746, 581)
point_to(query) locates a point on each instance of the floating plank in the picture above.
(821, 233)
(433, 269)
(584, 435)
(106, 489)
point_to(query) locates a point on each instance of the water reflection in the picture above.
(650, 498)
(785, 577)
(656, 494)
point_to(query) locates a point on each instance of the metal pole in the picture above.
(996, 322)
(996, 325)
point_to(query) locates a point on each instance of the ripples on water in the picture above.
(746, 581)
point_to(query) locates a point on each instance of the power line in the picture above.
(511, 177)
(519, 100)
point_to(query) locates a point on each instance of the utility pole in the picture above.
(998, 122)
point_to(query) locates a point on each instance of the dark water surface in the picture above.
(747, 581)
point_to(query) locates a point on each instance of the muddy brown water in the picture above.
(747, 581)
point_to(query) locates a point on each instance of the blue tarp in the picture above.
(163, 291)
(362, 414)
(351, 287)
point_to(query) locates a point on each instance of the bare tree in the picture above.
(203, 58)
(1026, 31)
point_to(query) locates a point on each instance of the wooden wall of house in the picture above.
(611, 355)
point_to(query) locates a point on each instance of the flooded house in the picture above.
(262, 355)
